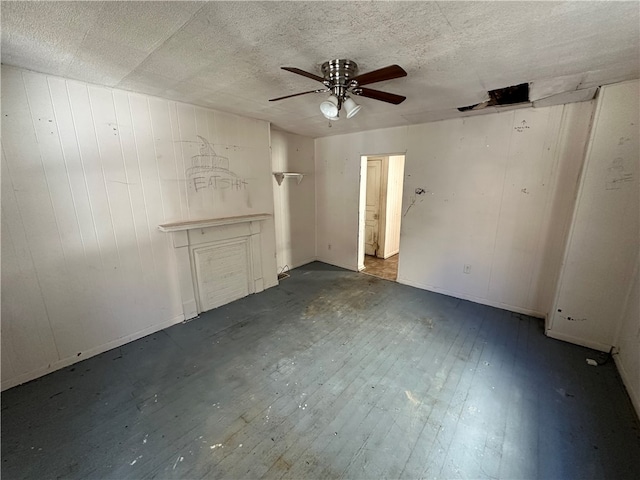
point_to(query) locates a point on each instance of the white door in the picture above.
(372, 211)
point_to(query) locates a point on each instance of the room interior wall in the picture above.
(494, 192)
(88, 174)
(294, 203)
(339, 196)
(603, 241)
(627, 341)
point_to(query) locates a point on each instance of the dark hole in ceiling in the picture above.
(503, 96)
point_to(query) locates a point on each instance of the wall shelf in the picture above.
(280, 176)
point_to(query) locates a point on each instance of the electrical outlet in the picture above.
(329, 246)
(466, 269)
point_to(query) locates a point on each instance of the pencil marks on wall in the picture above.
(210, 171)
(521, 127)
(618, 174)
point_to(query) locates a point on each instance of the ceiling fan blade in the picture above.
(297, 94)
(304, 74)
(382, 96)
(386, 73)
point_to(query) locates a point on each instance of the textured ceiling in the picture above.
(227, 55)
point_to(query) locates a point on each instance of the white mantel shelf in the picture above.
(195, 241)
(211, 222)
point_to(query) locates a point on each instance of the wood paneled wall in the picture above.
(88, 173)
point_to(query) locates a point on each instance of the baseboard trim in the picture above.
(472, 298)
(602, 347)
(65, 362)
(353, 268)
(626, 379)
(303, 262)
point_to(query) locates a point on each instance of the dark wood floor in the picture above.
(330, 375)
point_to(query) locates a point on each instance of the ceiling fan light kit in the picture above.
(341, 79)
(329, 107)
(351, 107)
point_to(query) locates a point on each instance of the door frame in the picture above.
(363, 200)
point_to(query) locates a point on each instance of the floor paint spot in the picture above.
(411, 398)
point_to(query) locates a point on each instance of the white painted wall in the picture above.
(499, 191)
(628, 341)
(393, 205)
(295, 208)
(88, 173)
(498, 196)
(338, 164)
(604, 240)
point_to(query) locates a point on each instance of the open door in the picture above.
(381, 185)
(372, 208)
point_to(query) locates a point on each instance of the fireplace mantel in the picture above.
(210, 222)
(195, 244)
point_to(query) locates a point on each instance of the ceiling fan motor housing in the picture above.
(341, 78)
(338, 75)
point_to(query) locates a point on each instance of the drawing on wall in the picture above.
(211, 171)
(617, 174)
(522, 127)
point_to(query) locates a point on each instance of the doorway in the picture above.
(381, 184)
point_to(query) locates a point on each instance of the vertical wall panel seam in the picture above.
(555, 166)
(104, 177)
(155, 160)
(175, 157)
(126, 177)
(8, 326)
(559, 131)
(182, 152)
(84, 174)
(551, 126)
(144, 196)
(167, 238)
(66, 170)
(44, 170)
(3, 325)
(495, 237)
(35, 269)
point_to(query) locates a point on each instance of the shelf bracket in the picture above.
(280, 176)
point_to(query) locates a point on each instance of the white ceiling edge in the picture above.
(539, 89)
(575, 96)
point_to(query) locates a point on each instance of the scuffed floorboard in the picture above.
(332, 374)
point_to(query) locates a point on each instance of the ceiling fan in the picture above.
(341, 79)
